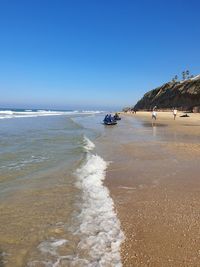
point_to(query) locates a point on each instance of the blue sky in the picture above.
(93, 53)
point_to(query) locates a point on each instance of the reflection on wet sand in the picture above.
(153, 124)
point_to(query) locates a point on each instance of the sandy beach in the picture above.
(155, 186)
(152, 173)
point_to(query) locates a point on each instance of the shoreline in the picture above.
(155, 187)
(166, 116)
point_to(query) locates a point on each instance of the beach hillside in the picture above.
(184, 95)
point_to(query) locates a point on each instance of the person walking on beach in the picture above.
(174, 113)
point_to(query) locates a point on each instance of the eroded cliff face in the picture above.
(183, 95)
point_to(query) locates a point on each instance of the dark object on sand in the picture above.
(110, 123)
(109, 120)
(116, 117)
(185, 115)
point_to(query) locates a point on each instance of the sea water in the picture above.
(55, 209)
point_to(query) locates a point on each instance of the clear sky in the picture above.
(93, 53)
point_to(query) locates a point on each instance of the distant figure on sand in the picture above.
(154, 108)
(154, 115)
(174, 113)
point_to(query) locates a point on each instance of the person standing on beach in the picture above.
(174, 113)
(154, 115)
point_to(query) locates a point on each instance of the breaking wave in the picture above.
(97, 227)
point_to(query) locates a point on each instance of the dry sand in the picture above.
(155, 185)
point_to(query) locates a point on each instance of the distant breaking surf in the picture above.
(10, 114)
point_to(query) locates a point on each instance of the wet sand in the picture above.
(155, 184)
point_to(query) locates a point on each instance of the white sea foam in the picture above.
(93, 111)
(9, 114)
(99, 228)
(51, 246)
(88, 145)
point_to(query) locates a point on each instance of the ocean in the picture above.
(55, 209)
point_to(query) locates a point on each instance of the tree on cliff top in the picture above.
(183, 75)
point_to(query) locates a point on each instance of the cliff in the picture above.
(184, 95)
